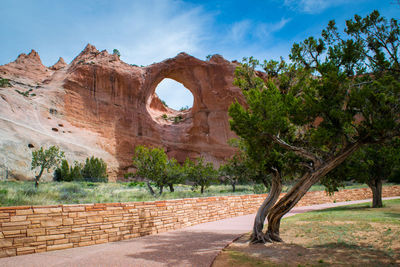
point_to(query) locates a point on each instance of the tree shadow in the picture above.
(359, 254)
(337, 253)
(182, 248)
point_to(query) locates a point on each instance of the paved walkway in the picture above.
(193, 246)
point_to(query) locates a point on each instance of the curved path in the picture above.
(192, 246)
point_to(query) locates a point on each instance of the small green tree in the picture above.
(150, 163)
(94, 170)
(234, 171)
(45, 160)
(116, 52)
(200, 173)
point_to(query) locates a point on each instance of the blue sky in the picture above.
(148, 31)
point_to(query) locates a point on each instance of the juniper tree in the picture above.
(338, 93)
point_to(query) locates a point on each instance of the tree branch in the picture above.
(298, 150)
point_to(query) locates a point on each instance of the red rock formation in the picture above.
(117, 101)
(59, 65)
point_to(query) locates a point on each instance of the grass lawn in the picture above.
(354, 235)
(53, 193)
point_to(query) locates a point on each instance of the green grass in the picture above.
(356, 227)
(354, 213)
(354, 235)
(53, 193)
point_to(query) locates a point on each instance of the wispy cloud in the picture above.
(243, 30)
(312, 6)
(240, 29)
(264, 30)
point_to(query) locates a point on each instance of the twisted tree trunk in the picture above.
(286, 203)
(258, 235)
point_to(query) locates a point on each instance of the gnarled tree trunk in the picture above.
(376, 188)
(286, 203)
(258, 235)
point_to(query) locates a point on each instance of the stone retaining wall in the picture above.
(32, 229)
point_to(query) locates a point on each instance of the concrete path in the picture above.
(193, 246)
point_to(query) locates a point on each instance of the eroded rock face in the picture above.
(108, 107)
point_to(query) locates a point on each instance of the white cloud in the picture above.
(312, 6)
(265, 30)
(150, 32)
(239, 30)
(244, 29)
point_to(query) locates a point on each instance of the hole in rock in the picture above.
(174, 95)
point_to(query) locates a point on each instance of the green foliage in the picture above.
(164, 116)
(178, 119)
(4, 82)
(14, 193)
(153, 164)
(67, 174)
(234, 171)
(370, 165)
(116, 52)
(150, 163)
(259, 189)
(184, 108)
(202, 174)
(94, 170)
(45, 160)
(337, 94)
(27, 93)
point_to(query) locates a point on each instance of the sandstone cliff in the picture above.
(99, 105)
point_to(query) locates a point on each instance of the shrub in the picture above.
(5, 82)
(184, 108)
(116, 52)
(67, 174)
(259, 189)
(177, 119)
(95, 170)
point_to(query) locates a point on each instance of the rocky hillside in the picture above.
(98, 105)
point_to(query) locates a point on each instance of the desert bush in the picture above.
(67, 174)
(4, 82)
(95, 170)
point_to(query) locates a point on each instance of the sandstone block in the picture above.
(50, 237)
(59, 246)
(51, 222)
